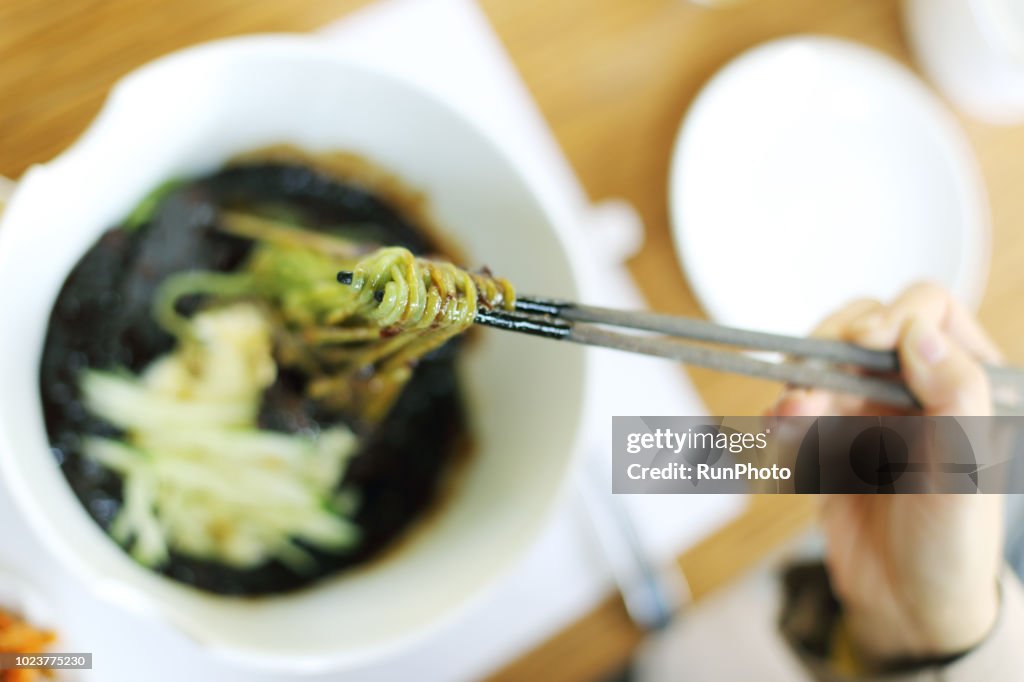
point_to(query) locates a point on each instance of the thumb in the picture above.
(941, 374)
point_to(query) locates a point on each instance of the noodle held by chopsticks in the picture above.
(358, 341)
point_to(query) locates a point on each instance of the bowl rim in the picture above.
(131, 597)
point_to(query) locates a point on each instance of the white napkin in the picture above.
(448, 46)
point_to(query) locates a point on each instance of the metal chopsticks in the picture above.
(826, 363)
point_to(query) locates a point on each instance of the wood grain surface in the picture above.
(613, 79)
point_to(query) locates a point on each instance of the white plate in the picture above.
(811, 171)
(17, 596)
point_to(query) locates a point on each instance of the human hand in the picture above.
(916, 574)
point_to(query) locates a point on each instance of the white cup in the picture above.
(973, 50)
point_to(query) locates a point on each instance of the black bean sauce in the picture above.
(102, 319)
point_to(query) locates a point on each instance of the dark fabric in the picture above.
(810, 610)
(810, 613)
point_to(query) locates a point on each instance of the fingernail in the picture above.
(929, 344)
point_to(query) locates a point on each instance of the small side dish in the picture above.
(18, 636)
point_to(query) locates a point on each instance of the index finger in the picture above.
(933, 305)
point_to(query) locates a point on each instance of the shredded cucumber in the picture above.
(199, 477)
(130, 405)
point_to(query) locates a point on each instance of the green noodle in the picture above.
(357, 341)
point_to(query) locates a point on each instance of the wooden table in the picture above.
(613, 78)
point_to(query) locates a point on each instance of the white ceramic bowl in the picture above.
(186, 114)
